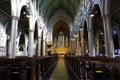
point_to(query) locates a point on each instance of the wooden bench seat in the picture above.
(94, 68)
(25, 68)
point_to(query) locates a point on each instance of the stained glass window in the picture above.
(61, 39)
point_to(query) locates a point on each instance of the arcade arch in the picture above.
(98, 31)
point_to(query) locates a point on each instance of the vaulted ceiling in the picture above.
(61, 26)
(115, 11)
(50, 6)
(5, 11)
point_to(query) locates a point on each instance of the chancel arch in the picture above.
(61, 36)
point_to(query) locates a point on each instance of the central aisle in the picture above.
(60, 71)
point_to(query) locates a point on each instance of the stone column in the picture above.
(39, 46)
(13, 37)
(44, 46)
(77, 45)
(97, 48)
(105, 37)
(72, 46)
(82, 46)
(79, 51)
(26, 46)
(25, 50)
(109, 47)
(31, 43)
(91, 38)
(82, 42)
(110, 38)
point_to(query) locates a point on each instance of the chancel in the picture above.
(59, 39)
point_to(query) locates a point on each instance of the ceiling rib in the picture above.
(46, 11)
(69, 5)
(4, 13)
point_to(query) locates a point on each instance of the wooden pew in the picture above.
(25, 68)
(27, 65)
(103, 68)
(16, 68)
(46, 64)
(94, 68)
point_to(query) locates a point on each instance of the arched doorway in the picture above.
(98, 31)
(22, 32)
(41, 43)
(61, 37)
(36, 39)
(21, 45)
(85, 37)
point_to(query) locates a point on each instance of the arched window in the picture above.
(61, 39)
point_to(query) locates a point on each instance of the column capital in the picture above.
(15, 17)
(106, 15)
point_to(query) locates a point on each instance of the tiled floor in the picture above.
(60, 71)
